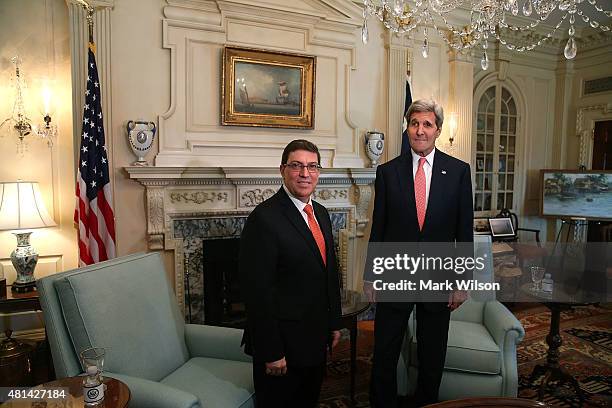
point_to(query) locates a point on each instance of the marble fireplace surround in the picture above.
(187, 205)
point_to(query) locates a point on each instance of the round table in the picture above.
(489, 402)
(558, 300)
(116, 395)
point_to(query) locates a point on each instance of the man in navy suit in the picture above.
(290, 285)
(422, 196)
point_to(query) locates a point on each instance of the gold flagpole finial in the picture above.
(90, 22)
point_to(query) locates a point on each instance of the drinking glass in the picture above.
(93, 357)
(537, 274)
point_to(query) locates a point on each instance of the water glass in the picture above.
(93, 357)
(537, 274)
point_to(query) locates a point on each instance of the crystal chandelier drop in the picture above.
(19, 123)
(487, 21)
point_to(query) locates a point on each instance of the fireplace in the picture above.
(198, 213)
(212, 290)
(210, 247)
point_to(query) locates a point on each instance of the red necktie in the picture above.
(316, 231)
(420, 193)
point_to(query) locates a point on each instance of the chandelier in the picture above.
(487, 21)
(19, 123)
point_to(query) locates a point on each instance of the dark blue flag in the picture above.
(407, 103)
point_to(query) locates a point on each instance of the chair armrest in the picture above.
(536, 231)
(501, 324)
(507, 333)
(151, 394)
(215, 342)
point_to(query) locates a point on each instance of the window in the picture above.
(495, 151)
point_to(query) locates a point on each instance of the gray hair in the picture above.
(427, 105)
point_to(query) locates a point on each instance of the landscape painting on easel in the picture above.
(576, 194)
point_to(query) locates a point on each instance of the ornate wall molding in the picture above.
(398, 61)
(327, 194)
(461, 72)
(155, 216)
(193, 31)
(253, 197)
(197, 197)
(585, 126)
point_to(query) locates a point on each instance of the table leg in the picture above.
(50, 367)
(353, 334)
(551, 370)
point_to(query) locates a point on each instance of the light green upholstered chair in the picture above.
(127, 306)
(481, 351)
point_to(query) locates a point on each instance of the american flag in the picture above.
(94, 204)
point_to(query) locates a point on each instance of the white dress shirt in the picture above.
(427, 169)
(300, 205)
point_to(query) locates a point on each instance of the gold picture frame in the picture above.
(267, 89)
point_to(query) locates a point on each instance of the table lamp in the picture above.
(21, 209)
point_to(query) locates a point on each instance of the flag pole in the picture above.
(90, 22)
(94, 212)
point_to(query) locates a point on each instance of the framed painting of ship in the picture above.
(267, 89)
(578, 194)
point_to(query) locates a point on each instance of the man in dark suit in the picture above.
(422, 196)
(290, 286)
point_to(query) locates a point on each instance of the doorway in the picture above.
(601, 231)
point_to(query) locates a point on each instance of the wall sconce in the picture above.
(453, 124)
(47, 131)
(19, 123)
(22, 209)
(452, 121)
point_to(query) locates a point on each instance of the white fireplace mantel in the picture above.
(216, 192)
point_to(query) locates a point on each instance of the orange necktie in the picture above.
(316, 231)
(420, 193)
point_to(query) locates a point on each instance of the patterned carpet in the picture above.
(586, 352)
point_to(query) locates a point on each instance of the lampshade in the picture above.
(22, 207)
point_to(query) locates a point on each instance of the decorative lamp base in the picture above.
(24, 259)
(23, 287)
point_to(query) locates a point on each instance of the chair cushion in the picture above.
(470, 349)
(133, 320)
(217, 383)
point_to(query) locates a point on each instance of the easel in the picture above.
(571, 222)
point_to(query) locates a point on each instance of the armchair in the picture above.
(127, 306)
(481, 351)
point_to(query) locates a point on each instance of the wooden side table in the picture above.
(116, 395)
(352, 306)
(489, 402)
(19, 302)
(24, 302)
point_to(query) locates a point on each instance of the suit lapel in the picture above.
(406, 181)
(295, 218)
(437, 185)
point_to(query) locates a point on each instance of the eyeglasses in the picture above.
(297, 167)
